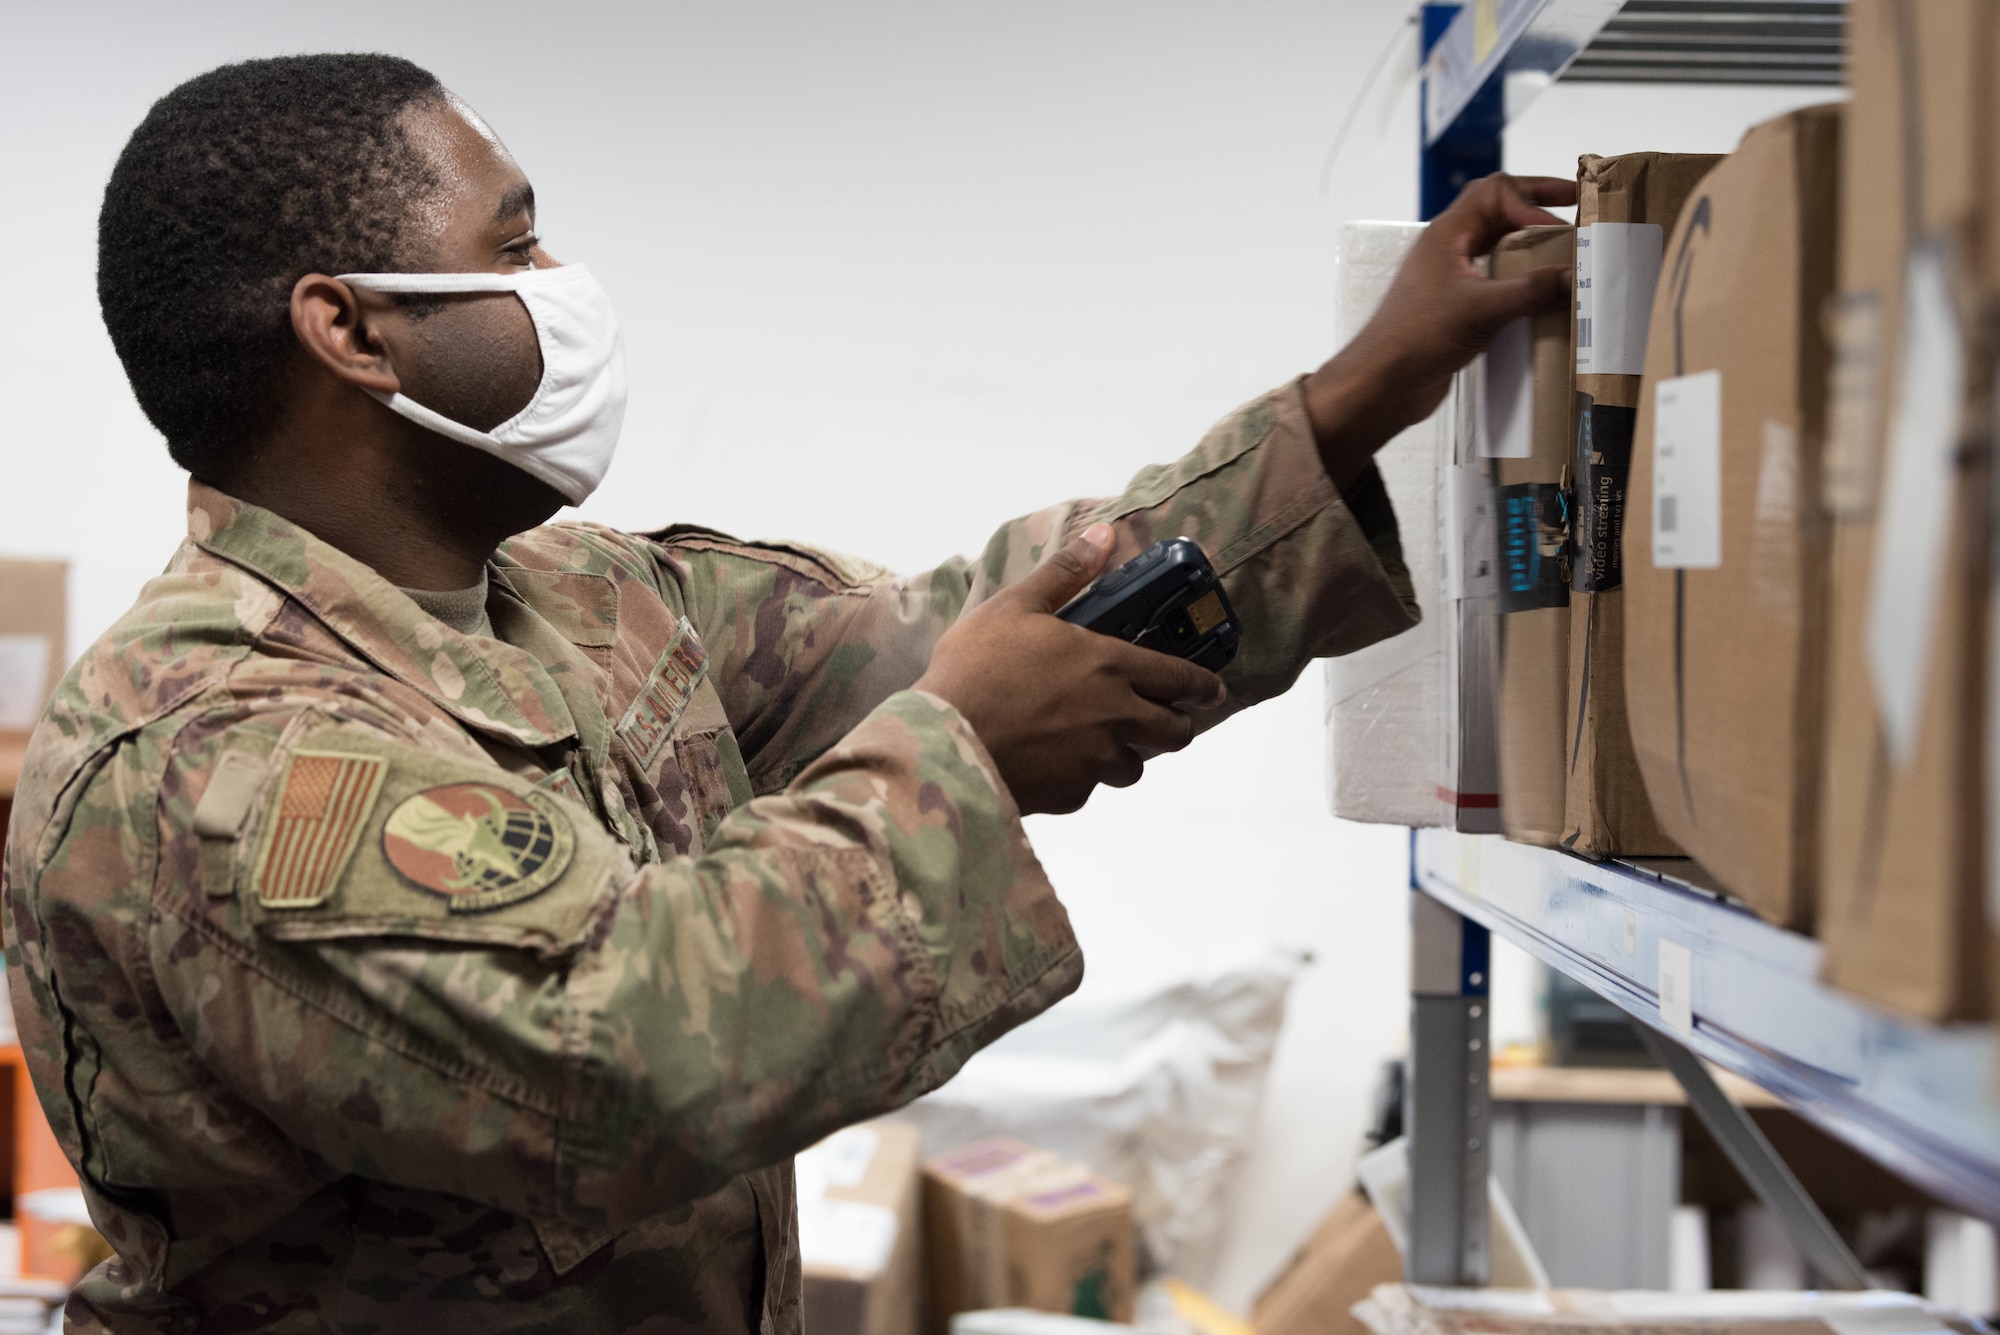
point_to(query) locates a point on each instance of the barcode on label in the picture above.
(1583, 331)
(1670, 507)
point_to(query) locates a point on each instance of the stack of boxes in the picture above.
(1772, 483)
(890, 1244)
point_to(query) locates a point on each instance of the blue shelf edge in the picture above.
(1922, 1100)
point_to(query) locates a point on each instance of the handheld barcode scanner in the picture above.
(1167, 598)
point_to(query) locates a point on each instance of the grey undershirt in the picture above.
(464, 610)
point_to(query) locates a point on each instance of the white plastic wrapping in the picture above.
(1157, 1091)
(1410, 722)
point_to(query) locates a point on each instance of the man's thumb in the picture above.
(1068, 571)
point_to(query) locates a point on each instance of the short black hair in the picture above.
(237, 184)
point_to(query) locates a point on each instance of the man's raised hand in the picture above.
(1439, 313)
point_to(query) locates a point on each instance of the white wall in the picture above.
(890, 273)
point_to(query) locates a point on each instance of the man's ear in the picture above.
(343, 334)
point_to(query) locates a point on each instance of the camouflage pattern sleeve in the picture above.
(804, 643)
(425, 970)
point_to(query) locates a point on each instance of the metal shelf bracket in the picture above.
(1761, 1166)
(1449, 1113)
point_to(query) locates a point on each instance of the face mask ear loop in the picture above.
(475, 284)
(579, 476)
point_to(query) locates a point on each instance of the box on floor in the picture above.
(1347, 1256)
(1013, 1226)
(860, 1244)
(34, 615)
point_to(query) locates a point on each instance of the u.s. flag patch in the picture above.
(322, 805)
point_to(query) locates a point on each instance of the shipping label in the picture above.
(1601, 467)
(1912, 530)
(1617, 267)
(1687, 472)
(1509, 393)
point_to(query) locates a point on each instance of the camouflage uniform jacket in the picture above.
(378, 977)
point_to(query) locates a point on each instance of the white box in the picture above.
(1410, 721)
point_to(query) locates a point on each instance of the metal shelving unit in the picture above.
(1917, 1098)
(1706, 979)
(1485, 62)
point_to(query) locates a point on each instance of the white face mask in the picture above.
(569, 430)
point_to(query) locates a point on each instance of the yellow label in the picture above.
(1206, 612)
(1485, 28)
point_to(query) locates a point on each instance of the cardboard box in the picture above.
(1725, 577)
(1410, 724)
(34, 652)
(1526, 435)
(1346, 1257)
(860, 1244)
(1013, 1226)
(1625, 207)
(1902, 855)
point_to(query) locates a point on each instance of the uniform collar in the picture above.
(485, 684)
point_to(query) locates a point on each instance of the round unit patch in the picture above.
(478, 845)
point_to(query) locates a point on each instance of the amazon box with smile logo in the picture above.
(1726, 548)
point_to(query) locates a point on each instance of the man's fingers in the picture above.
(1166, 679)
(1541, 291)
(1067, 572)
(1125, 771)
(1155, 730)
(1557, 190)
(1491, 208)
(1491, 304)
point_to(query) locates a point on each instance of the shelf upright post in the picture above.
(1468, 150)
(1450, 1097)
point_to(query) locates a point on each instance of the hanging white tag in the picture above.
(1913, 525)
(1677, 988)
(1617, 268)
(1687, 472)
(1506, 431)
